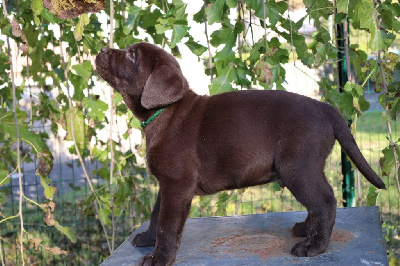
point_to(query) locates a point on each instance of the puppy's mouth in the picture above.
(103, 67)
(102, 64)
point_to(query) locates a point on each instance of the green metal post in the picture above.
(348, 191)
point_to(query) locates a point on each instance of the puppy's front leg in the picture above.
(174, 209)
(148, 238)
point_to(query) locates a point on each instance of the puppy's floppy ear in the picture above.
(164, 86)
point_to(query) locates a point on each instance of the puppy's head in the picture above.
(143, 71)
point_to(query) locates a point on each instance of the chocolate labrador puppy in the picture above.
(199, 145)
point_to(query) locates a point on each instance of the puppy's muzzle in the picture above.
(103, 59)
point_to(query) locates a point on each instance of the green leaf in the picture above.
(124, 190)
(355, 92)
(37, 141)
(103, 173)
(231, 3)
(178, 32)
(214, 11)
(50, 17)
(3, 198)
(79, 27)
(164, 25)
(33, 139)
(117, 98)
(223, 82)
(223, 198)
(319, 8)
(226, 54)
(79, 126)
(135, 123)
(342, 6)
(84, 69)
(180, 13)
(79, 85)
(292, 26)
(132, 21)
(223, 36)
(103, 216)
(372, 195)
(4, 178)
(274, 187)
(387, 17)
(273, 9)
(299, 42)
(361, 104)
(387, 162)
(48, 189)
(381, 40)
(195, 47)
(67, 231)
(364, 15)
(346, 105)
(95, 108)
(37, 7)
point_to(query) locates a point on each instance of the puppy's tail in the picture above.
(349, 145)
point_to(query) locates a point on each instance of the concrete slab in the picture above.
(265, 239)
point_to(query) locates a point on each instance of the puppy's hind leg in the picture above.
(313, 191)
(148, 238)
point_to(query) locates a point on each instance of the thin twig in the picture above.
(30, 92)
(346, 48)
(208, 44)
(265, 23)
(365, 81)
(291, 35)
(251, 27)
(241, 36)
(74, 140)
(1, 254)
(392, 144)
(111, 133)
(163, 9)
(21, 192)
(9, 218)
(111, 40)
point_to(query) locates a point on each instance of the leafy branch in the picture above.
(14, 105)
(111, 106)
(74, 138)
(391, 142)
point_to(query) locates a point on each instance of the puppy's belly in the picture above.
(214, 184)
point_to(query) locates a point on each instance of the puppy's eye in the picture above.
(132, 56)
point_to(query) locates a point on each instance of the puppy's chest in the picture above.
(172, 158)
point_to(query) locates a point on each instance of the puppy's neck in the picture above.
(133, 103)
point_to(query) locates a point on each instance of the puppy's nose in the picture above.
(104, 49)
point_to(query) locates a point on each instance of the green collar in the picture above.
(145, 123)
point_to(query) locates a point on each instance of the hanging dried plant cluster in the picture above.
(68, 9)
(17, 32)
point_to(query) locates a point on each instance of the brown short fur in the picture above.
(200, 145)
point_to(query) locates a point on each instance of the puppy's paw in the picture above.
(145, 239)
(300, 229)
(153, 259)
(304, 249)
